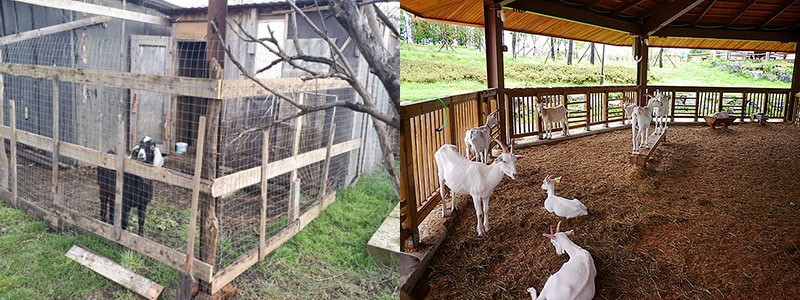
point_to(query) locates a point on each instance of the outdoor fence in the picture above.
(587, 106)
(68, 99)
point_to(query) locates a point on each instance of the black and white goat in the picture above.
(136, 191)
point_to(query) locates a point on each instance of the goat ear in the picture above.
(558, 179)
(519, 156)
(549, 236)
(133, 150)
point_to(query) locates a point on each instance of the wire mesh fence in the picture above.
(137, 107)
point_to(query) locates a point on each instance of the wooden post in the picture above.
(134, 119)
(605, 109)
(55, 189)
(640, 50)
(293, 200)
(450, 134)
(672, 108)
(696, 105)
(262, 228)
(185, 288)
(323, 189)
(719, 105)
(494, 62)
(121, 150)
(744, 106)
(588, 107)
(408, 196)
(795, 89)
(14, 174)
(209, 223)
(4, 169)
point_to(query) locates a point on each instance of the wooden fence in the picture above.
(419, 140)
(587, 106)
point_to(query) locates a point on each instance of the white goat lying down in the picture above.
(463, 176)
(723, 114)
(660, 109)
(575, 279)
(478, 139)
(552, 115)
(561, 206)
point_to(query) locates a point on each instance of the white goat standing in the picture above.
(640, 125)
(552, 115)
(660, 109)
(561, 206)
(461, 175)
(575, 279)
(478, 139)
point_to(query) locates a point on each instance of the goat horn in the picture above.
(502, 145)
(558, 227)
(551, 230)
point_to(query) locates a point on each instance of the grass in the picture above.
(684, 74)
(327, 259)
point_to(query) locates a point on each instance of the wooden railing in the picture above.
(420, 139)
(692, 103)
(587, 106)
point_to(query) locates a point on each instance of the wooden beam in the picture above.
(197, 87)
(115, 272)
(25, 35)
(233, 182)
(56, 157)
(641, 50)
(244, 262)
(666, 15)
(238, 88)
(794, 93)
(4, 169)
(323, 186)
(624, 7)
(120, 175)
(741, 12)
(262, 227)
(100, 10)
(12, 110)
(730, 34)
(778, 13)
(705, 11)
(101, 159)
(160, 253)
(559, 11)
(293, 211)
(198, 169)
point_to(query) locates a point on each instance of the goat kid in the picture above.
(641, 118)
(552, 115)
(478, 180)
(478, 139)
(575, 279)
(660, 109)
(561, 206)
(136, 192)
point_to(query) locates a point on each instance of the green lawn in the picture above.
(328, 259)
(419, 57)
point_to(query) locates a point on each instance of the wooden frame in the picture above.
(21, 36)
(100, 10)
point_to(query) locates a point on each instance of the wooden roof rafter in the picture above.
(778, 13)
(705, 11)
(564, 12)
(741, 12)
(664, 16)
(625, 7)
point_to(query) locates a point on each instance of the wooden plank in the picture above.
(750, 35)
(100, 10)
(197, 87)
(21, 36)
(666, 15)
(239, 88)
(115, 272)
(565, 12)
(4, 169)
(97, 158)
(326, 169)
(244, 262)
(198, 165)
(56, 138)
(161, 253)
(262, 227)
(12, 110)
(294, 201)
(233, 182)
(120, 174)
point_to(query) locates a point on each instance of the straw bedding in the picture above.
(716, 215)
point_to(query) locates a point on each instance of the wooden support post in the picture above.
(605, 109)
(408, 195)
(187, 280)
(744, 107)
(14, 174)
(640, 50)
(323, 186)
(719, 105)
(588, 107)
(696, 105)
(262, 228)
(4, 169)
(672, 108)
(55, 188)
(298, 127)
(795, 89)
(209, 223)
(121, 150)
(133, 120)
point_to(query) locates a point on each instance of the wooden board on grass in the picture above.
(115, 272)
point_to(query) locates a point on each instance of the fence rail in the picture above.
(586, 105)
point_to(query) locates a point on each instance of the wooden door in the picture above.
(152, 113)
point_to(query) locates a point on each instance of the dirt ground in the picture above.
(716, 215)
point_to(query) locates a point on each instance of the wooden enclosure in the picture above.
(587, 106)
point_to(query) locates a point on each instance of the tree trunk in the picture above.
(569, 53)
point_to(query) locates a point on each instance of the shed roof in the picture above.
(761, 25)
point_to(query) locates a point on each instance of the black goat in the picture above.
(136, 191)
